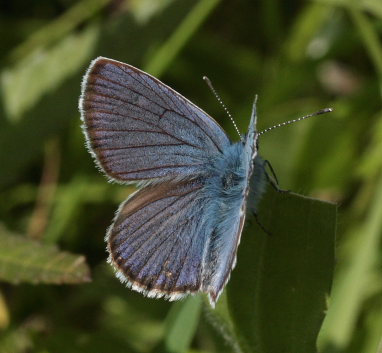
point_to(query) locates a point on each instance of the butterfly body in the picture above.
(228, 189)
(179, 233)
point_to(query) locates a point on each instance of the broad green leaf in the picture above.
(25, 260)
(277, 294)
(181, 324)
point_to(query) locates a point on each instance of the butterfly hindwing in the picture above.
(158, 239)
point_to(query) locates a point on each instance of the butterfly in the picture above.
(179, 233)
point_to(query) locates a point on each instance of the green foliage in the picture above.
(25, 260)
(282, 280)
(299, 57)
(286, 276)
(181, 324)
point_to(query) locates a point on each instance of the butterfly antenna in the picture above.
(322, 111)
(209, 83)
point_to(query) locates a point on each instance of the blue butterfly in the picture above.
(179, 233)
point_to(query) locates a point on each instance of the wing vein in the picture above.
(137, 146)
(147, 86)
(194, 121)
(160, 167)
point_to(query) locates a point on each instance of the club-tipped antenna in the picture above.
(209, 83)
(322, 111)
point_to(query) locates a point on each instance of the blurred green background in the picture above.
(57, 293)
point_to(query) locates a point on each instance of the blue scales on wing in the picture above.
(140, 129)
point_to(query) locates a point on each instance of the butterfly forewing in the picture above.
(138, 128)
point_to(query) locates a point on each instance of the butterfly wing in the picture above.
(138, 128)
(180, 234)
(158, 240)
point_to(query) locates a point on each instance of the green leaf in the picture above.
(25, 260)
(181, 324)
(277, 294)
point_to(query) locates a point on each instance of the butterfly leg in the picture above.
(273, 180)
(265, 230)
